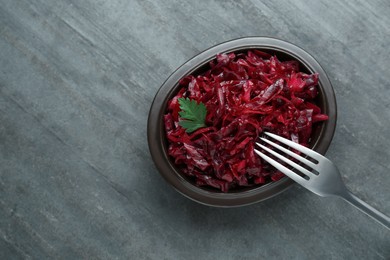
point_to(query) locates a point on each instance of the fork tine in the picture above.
(297, 147)
(292, 154)
(282, 168)
(289, 162)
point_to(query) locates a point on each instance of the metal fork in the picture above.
(325, 180)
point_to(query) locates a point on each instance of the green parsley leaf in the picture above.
(192, 114)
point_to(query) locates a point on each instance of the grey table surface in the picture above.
(77, 79)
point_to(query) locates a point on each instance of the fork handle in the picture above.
(367, 209)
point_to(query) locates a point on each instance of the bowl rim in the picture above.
(156, 133)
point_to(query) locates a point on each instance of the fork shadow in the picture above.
(293, 213)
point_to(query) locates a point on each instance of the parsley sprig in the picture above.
(192, 114)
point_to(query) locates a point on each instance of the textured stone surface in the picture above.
(77, 79)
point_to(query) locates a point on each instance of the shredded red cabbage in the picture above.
(245, 94)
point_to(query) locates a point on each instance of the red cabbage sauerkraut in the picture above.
(245, 94)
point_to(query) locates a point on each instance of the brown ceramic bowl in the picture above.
(321, 137)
